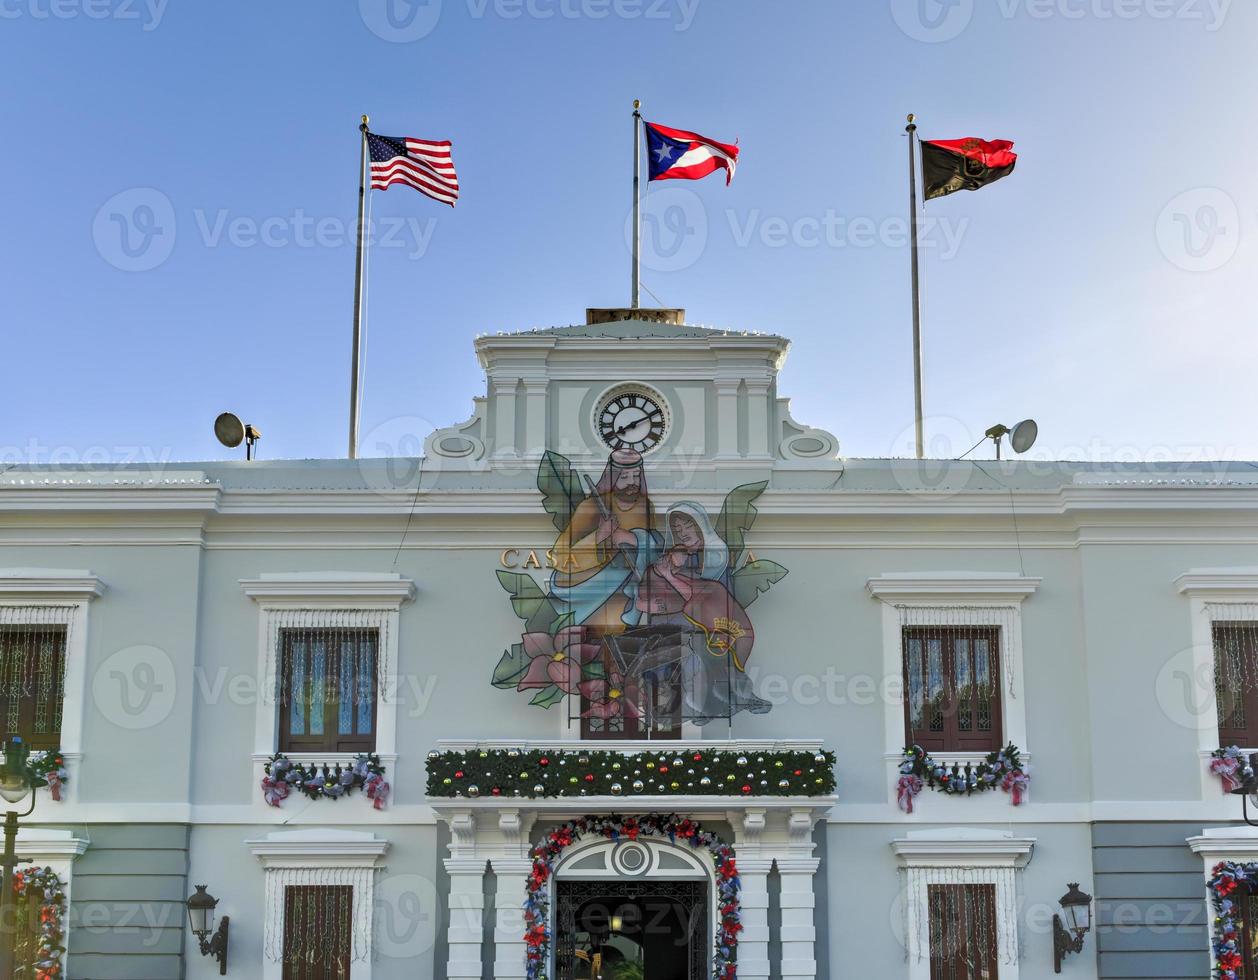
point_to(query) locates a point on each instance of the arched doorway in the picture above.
(630, 909)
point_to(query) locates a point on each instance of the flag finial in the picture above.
(912, 117)
(637, 104)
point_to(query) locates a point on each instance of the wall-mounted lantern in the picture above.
(201, 907)
(1076, 907)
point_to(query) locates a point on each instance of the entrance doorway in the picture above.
(631, 930)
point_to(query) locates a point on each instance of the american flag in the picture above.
(422, 164)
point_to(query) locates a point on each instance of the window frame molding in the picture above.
(989, 857)
(376, 597)
(1238, 844)
(72, 590)
(1203, 587)
(996, 598)
(344, 857)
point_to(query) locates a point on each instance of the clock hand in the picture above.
(633, 425)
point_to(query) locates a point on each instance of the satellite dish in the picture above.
(229, 430)
(1023, 435)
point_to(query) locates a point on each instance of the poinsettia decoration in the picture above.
(1231, 765)
(1228, 880)
(281, 776)
(50, 765)
(49, 942)
(537, 892)
(1001, 769)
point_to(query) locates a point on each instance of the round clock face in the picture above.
(630, 418)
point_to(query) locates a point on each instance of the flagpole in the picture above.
(637, 202)
(355, 395)
(911, 129)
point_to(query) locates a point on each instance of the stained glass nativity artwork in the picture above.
(641, 622)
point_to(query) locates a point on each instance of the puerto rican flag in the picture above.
(675, 154)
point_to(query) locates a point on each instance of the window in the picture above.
(318, 923)
(32, 683)
(952, 682)
(649, 708)
(963, 936)
(328, 690)
(1236, 681)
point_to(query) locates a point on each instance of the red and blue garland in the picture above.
(1002, 768)
(545, 854)
(1226, 879)
(50, 941)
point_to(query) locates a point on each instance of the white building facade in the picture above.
(628, 632)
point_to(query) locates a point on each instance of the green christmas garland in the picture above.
(536, 773)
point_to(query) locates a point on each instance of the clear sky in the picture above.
(181, 179)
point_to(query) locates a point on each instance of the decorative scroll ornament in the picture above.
(537, 892)
(42, 952)
(634, 606)
(1228, 880)
(1001, 769)
(1231, 765)
(537, 773)
(281, 776)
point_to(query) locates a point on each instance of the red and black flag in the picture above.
(949, 166)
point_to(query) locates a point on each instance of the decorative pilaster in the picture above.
(758, 407)
(753, 874)
(798, 901)
(509, 946)
(726, 417)
(535, 440)
(504, 417)
(467, 899)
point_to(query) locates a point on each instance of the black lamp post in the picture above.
(1248, 788)
(201, 907)
(1076, 906)
(16, 783)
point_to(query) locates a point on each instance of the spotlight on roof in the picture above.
(231, 432)
(1021, 436)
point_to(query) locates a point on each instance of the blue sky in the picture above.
(1104, 288)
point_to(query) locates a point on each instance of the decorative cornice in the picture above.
(389, 588)
(1218, 581)
(985, 585)
(962, 847)
(38, 844)
(319, 848)
(1221, 843)
(45, 584)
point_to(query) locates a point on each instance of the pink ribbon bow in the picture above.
(1015, 784)
(907, 788)
(1226, 769)
(274, 791)
(377, 791)
(54, 784)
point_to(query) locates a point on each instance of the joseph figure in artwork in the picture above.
(601, 556)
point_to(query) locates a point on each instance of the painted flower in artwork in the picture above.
(612, 697)
(556, 659)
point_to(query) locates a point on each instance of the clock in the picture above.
(631, 417)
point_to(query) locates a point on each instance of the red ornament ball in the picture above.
(543, 761)
(589, 777)
(458, 774)
(746, 789)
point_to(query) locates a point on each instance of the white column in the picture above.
(467, 917)
(753, 941)
(509, 945)
(799, 933)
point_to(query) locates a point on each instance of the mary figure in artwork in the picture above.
(687, 587)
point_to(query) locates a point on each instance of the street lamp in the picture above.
(1247, 788)
(201, 907)
(16, 783)
(1076, 906)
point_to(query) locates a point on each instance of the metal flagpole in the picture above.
(911, 129)
(355, 395)
(637, 201)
